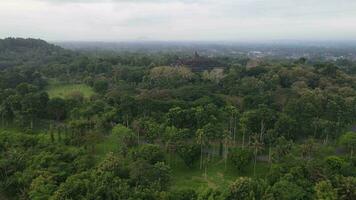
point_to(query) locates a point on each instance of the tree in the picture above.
(6, 112)
(32, 106)
(146, 175)
(174, 116)
(233, 119)
(114, 164)
(126, 136)
(308, 148)
(245, 188)
(211, 194)
(348, 140)
(282, 149)
(226, 142)
(201, 140)
(92, 185)
(188, 152)
(149, 152)
(240, 157)
(57, 108)
(151, 129)
(287, 190)
(334, 164)
(183, 194)
(127, 107)
(285, 126)
(101, 86)
(325, 191)
(42, 187)
(257, 146)
(346, 187)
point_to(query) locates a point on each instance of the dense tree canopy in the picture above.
(141, 126)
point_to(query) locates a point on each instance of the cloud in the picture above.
(121, 1)
(178, 19)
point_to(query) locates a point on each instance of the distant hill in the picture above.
(30, 52)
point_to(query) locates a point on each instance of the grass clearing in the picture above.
(217, 175)
(191, 178)
(63, 90)
(107, 144)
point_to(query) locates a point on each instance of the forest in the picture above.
(167, 125)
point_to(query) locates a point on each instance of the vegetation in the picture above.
(132, 126)
(69, 90)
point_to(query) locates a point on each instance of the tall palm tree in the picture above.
(227, 139)
(233, 115)
(201, 140)
(257, 145)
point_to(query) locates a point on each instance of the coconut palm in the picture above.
(257, 146)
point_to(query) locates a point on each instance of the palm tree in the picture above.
(227, 139)
(51, 130)
(307, 148)
(233, 115)
(201, 140)
(2, 115)
(257, 146)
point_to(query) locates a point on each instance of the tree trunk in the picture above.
(234, 130)
(221, 149)
(59, 132)
(243, 139)
(314, 131)
(352, 152)
(206, 168)
(326, 138)
(225, 153)
(254, 165)
(138, 137)
(230, 124)
(270, 156)
(52, 135)
(201, 155)
(262, 129)
(2, 119)
(65, 132)
(31, 124)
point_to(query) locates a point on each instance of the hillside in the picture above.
(30, 52)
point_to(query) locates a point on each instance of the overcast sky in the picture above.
(185, 20)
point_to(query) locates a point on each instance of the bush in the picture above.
(241, 158)
(247, 188)
(150, 153)
(126, 136)
(184, 194)
(189, 153)
(101, 86)
(288, 191)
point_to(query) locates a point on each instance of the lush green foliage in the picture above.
(279, 130)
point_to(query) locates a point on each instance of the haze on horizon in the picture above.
(178, 20)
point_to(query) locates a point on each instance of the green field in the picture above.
(63, 90)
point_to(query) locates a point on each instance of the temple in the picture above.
(197, 63)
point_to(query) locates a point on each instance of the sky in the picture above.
(178, 20)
